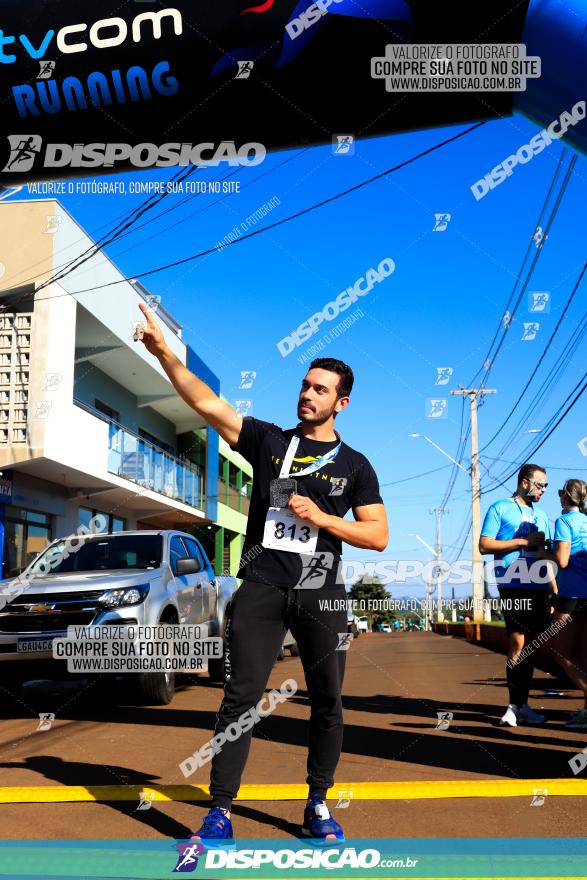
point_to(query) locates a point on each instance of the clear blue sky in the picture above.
(440, 308)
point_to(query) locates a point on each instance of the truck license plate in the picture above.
(34, 646)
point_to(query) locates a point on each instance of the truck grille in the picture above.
(54, 612)
(42, 623)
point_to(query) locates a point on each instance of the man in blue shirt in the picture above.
(515, 531)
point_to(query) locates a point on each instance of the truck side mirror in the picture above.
(187, 565)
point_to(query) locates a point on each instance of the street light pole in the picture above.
(440, 449)
(427, 609)
(438, 511)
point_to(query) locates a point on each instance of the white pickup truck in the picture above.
(139, 577)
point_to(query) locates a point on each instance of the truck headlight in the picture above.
(125, 596)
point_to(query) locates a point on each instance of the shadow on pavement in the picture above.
(93, 775)
(73, 772)
(479, 749)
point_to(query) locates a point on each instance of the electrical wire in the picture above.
(554, 377)
(549, 467)
(109, 238)
(288, 219)
(491, 361)
(549, 222)
(119, 217)
(554, 427)
(415, 476)
(488, 358)
(130, 231)
(200, 210)
(540, 360)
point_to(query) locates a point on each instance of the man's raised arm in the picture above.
(216, 412)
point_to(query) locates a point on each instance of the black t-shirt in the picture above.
(345, 482)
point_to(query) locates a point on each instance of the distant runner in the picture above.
(515, 531)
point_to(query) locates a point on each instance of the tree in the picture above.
(372, 599)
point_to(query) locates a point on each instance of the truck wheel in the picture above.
(294, 650)
(155, 688)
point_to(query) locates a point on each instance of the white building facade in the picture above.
(89, 422)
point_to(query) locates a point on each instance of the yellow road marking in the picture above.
(44, 794)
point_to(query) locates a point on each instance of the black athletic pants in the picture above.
(530, 622)
(259, 618)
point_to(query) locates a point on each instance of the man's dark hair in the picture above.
(345, 382)
(527, 470)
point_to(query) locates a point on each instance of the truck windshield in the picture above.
(100, 554)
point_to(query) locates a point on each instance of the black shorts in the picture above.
(530, 618)
(570, 606)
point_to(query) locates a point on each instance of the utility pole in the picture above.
(477, 579)
(438, 511)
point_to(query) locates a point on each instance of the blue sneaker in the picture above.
(318, 822)
(215, 827)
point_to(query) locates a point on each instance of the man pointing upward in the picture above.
(305, 480)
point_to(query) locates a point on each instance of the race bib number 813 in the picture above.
(285, 531)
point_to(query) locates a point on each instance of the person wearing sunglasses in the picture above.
(515, 531)
(569, 645)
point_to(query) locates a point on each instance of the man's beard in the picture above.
(531, 495)
(317, 417)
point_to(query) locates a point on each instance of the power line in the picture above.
(554, 427)
(113, 234)
(416, 476)
(123, 234)
(549, 222)
(491, 362)
(466, 538)
(540, 360)
(550, 467)
(205, 208)
(553, 379)
(458, 457)
(119, 217)
(291, 217)
(524, 260)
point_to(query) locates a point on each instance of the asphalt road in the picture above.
(394, 687)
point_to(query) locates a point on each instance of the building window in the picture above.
(26, 534)
(118, 524)
(246, 492)
(155, 441)
(192, 448)
(85, 515)
(233, 476)
(106, 410)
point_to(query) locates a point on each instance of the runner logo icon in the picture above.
(24, 149)
(338, 485)
(189, 853)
